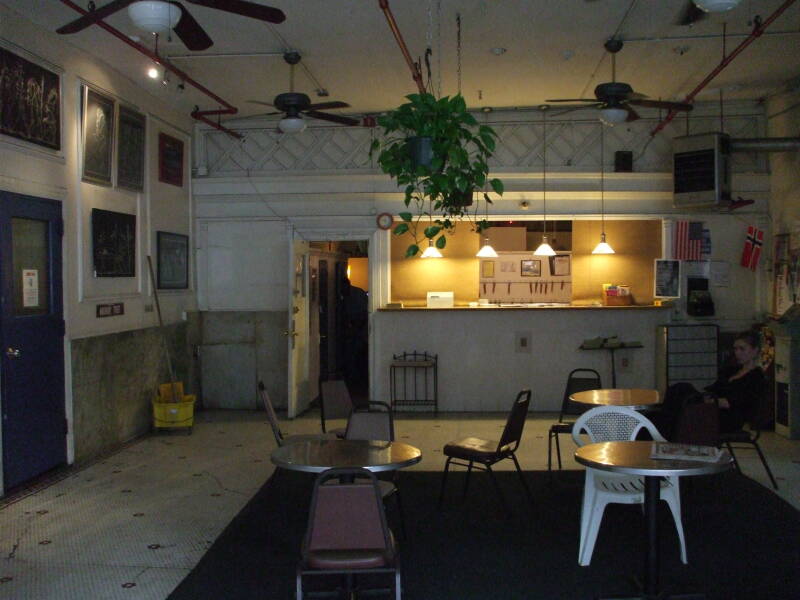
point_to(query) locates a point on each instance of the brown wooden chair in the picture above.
(347, 532)
(482, 454)
(578, 380)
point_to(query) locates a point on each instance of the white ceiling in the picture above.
(554, 49)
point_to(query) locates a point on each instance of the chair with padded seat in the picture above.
(347, 533)
(334, 403)
(375, 421)
(272, 417)
(617, 423)
(578, 380)
(482, 453)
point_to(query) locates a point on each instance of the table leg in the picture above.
(652, 491)
(613, 369)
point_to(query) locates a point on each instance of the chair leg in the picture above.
(522, 478)
(733, 456)
(444, 479)
(299, 584)
(466, 482)
(550, 450)
(558, 452)
(497, 487)
(596, 511)
(397, 592)
(766, 466)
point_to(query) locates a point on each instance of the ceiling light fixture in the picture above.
(152, 72)
(602, 247)
(486, 250)
(154, 16)
(431, 251)
(544, 248)
(715, 6)
(613, 115)
(291, 124)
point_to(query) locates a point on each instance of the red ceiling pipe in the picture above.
(196, 114)
(415, 72)
(725, 62)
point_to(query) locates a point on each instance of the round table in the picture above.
(633, 458)
(315, 456)
(634, 398)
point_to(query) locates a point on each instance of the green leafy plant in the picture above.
(438, 193)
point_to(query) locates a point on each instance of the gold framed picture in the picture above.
(487, 268)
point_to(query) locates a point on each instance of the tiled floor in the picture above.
(133, 525)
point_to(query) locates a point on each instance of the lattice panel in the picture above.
(572, 145)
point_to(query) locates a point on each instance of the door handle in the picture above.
(290, 333)
(12, 352)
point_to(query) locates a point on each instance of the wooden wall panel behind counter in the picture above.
(636, 244)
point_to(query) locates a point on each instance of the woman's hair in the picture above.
(751, 337)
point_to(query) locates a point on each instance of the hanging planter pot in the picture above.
(421, 150)
(459, 198)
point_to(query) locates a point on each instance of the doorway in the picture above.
(34, 425)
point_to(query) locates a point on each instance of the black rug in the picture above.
(742, 542)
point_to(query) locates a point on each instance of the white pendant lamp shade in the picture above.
(613, 115)
(155, 17)
(544, 248)
(713, 6)
(431, 251)
(292, 125)
(603, 247)
(486, 250)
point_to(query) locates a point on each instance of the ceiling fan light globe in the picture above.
(716, 6)
(291, 125)
(613, 115)
(154, 16)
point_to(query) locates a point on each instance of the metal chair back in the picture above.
(372, 422)
(578, 380)
(335, 401)
(512, 433)
(271, 416)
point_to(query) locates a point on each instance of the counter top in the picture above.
(491, 307)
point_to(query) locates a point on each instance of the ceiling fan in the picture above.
(616, 99)
(294, 104)
(160, 17)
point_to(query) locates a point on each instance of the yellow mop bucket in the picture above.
(172, 408)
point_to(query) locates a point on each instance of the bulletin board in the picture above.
(521, 278)
(786, 288)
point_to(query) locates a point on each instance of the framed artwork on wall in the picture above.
(530, 268)
(173, 260)
(170, 160)
(113, 243)
(130, 150)
(559, 264)
(30, 101)
(667, 278)
(98, 136)
(487, 268)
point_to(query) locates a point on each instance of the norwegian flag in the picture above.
(688, 240)
(752, 247)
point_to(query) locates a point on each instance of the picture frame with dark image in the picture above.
(667, 279)
(113, 243)
(560, 265)
(170, 160)
(173, 260)
(30, 101)
(98, 136)
(130, 149)
(530, 268)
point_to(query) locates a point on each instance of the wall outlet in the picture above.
(625, 363)
(522, 341)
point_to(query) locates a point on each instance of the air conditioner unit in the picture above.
(701, 169)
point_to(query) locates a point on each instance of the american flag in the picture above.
(688, 240)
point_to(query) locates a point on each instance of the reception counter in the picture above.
(487, 354)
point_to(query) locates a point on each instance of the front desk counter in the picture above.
(486, 354)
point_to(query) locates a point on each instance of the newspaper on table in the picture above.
(669, 450)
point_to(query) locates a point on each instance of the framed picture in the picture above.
(130, 151)
(113, 243)
(173, 260)
(30, 101)
(98, 136)
(559, 264)
(170, 160)
(667, 278)
(487, 268)
(530, 268)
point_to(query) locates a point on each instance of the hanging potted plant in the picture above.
(438, 153)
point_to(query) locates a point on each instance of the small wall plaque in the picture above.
(110, 310)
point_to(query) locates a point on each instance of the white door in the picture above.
(299, 392)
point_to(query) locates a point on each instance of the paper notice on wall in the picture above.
(30, 288)
(720, 273)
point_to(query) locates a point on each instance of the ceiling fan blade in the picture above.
(592, 100)
(332, 118)
(246, 9)
(328, 105)
(690, 14)
(98, 14)
(662, 104)
(262, 103)
(632, 114)
(189, 31)
(563, 110)
(636, 96)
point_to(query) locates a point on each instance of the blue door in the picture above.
(32, 335)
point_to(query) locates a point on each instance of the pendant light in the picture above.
(544, 248)
(602, 247)
(431, 251)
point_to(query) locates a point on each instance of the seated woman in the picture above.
(735, 391)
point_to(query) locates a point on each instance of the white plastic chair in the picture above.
(613, 423)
